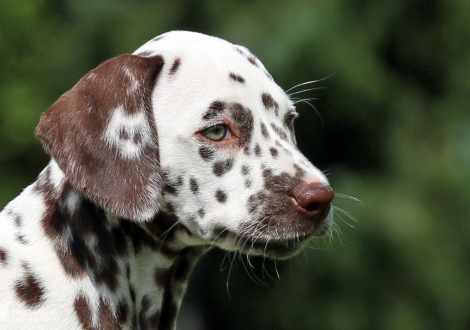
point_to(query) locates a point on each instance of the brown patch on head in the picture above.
(236, 77)
(72, 132)
(175, 66)
(29, 289)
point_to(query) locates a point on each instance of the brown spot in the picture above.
(20, 238)
(221, 196)
(215, 109)
(137, 138)
(253, 60)
(83, 311)
(257, 150)
(201, 213)
(123, 134)
(269, 102)
(245, 170)
(264, 131)
(30, 290)
(279, 131)
(248, 183)
(106, 319)
(243, 119)
(236, 78)
(158, 38)
(246, 150)
(175, 66)
(206, 153)
(273, 152)
(222, 166)
(3, 256)
(193, 185)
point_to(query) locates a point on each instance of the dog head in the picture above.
(194, 126)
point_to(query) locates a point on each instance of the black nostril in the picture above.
(314, 199)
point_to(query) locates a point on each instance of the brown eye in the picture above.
(216, 133)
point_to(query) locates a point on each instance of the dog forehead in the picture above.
(200, 69)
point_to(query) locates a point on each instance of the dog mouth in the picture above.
(269, 245)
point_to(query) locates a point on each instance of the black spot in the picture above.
(248, 183)
(236, 78)
(221, 196)
(257, 150)
(175, 66)
(20, 238)
(273, 152)
(206, 153)
(264, 131)
(193, 185)
(222, 166)
(214, 110)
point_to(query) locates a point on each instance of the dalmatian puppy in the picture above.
(157, 156)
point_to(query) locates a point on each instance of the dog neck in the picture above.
(127, 273)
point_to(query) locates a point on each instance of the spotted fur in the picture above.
(136, 192)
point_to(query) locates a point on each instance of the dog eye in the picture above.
(216, 133)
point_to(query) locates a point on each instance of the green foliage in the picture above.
(393, 131)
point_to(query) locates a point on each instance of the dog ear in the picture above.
(102, 134)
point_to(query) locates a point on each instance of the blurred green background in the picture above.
(392, 130)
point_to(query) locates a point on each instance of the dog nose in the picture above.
(314, 199)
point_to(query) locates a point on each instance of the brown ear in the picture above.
(102, 134)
